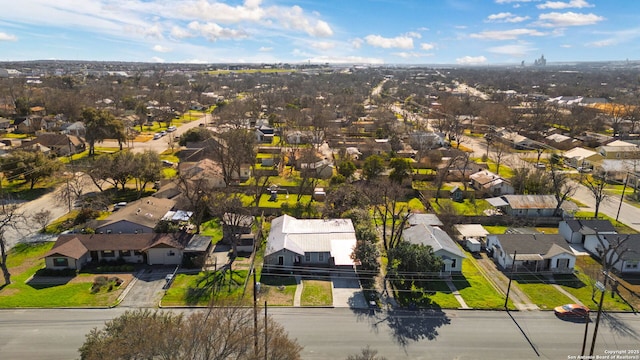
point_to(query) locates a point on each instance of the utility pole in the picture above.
(513, 266)
(266, 338)
(622, 196)
(595, 330)
(255, 315)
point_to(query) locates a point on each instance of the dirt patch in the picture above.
(126, 278)
(9, 292)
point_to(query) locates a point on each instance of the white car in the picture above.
(172, 128)
(157, 136)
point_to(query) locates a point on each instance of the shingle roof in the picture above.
(543, 245)
(76, 245)
(531, 201)
(146, 212)
(588, 226)
(432, 236)
(632, 243)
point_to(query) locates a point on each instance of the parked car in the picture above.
(162, 133)
(167, 163)
(157, 136)
(576, 311)
(119, 205)
(172, 128)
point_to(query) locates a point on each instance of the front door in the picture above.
(280, 260)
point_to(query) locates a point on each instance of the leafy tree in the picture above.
(346, 168)
(217, 334)
(147, 169)
(31, 166)
(373, 166)
(235, 148)
(101, 125)
(343, 197)
(390, 210)
(400, 170)
(411, 264)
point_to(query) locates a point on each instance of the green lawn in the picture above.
(199, 289)
(467, 207)
(212, 228)
(24, 260)
(495, 229)
(475, 289)
(277, 290)
(316, 293)
(541, 292)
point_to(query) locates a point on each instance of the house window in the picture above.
(125, 252)
(171, 253)
(321, 257)
(307, 257)
(60, 262)
(453, 263)
(108, 253)
(137, 253)
(631, 265)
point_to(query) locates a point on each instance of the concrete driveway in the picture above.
(146, 290)
(347, 291)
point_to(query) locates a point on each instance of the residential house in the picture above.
(239, 225)
(206, 172)
(617, 170)
(265, 134)
(581, 157)
(532, 205)
(534, 253)
(561, 142)
(576, 231)
(60, 144)
(4, 123)
(443, 246)
(422, 140)
(74, 251)
(627, 257)
(299, 243)
(514, 139)
(426, 219)
(490, 184)
(609, 151)
(472, 231)
(136, 217)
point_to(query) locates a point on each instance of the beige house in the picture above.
(581, 157)
(136, 217)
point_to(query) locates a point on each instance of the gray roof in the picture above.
(633, 244)
(590, 226)
(427, 219)
(471, 230)
(310, 235)
(531, 201)
(432, 236)
(146, 212)
(198, 243)
(543, 245)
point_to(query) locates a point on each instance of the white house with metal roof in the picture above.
(309, 243)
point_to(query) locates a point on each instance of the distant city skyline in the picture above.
(462, 32)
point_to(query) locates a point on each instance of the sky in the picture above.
(463, 32)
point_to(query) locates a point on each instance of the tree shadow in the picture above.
(618, 326)
(406, 325)
(205, 287)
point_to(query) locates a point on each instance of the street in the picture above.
(337, 333)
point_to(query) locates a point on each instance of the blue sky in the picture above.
(472, 32)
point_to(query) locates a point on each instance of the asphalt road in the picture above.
(336, 333)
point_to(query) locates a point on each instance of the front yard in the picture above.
(27, 289)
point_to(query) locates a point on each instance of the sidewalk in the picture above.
(457, 295)
(298, 294)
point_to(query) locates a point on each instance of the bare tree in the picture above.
(42, 218)
(10, 218)
(562, 186)
(499, 153)
(227, 206)
(217, 334)
(596, 186)
(390, 208)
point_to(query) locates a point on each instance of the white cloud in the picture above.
(506, 34)
(294, 18)
(7, 37)
(161, 49)
(157, 59)
(564, 5)
(357, 43)
(265, 49)
(566, 46)
(411, 54)
(506, 17)
(602, 43)
(471, 60)
(213, 31)
(346, 60)
(511, 1)
(180, 33)
(413, 34)
(323, 45)
(512, 50)
(427, 46)
(556, 19)
(400, 42)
